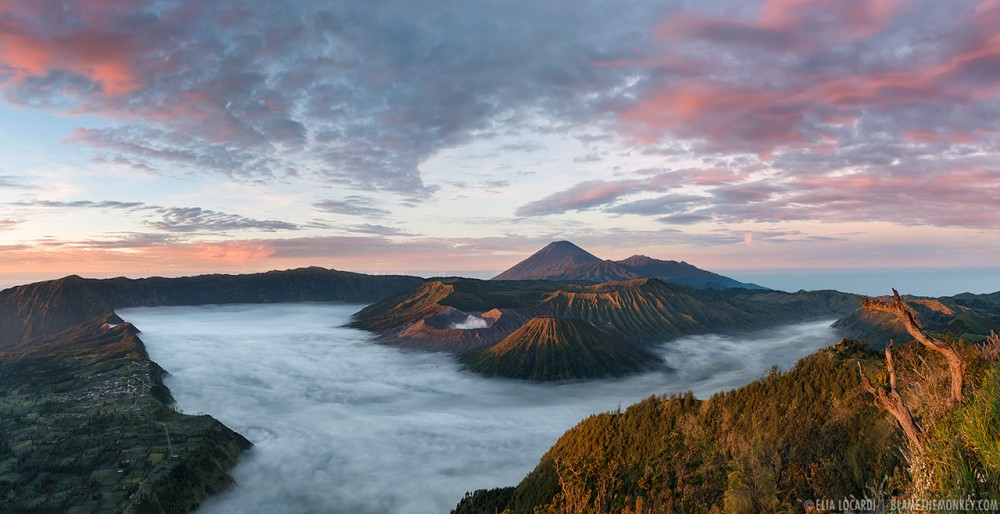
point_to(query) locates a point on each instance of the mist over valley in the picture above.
(343, 424)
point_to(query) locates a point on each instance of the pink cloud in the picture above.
(584, 195)
(957, 197)
(81, 40)
(727, 116)
(787, 25)
(767, 89)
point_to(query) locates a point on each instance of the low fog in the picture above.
(341, 424)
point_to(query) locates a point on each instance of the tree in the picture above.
(896, 307)
(889, 400)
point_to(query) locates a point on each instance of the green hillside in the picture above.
(84, 426)
(809, 433)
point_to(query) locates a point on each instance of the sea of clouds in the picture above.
(342, 424)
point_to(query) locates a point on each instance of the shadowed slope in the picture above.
(550, 348)
(44, 308)
(550, 263)
(563, 260)
(680, 273)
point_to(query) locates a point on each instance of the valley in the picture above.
(76, 373)
(343, 424)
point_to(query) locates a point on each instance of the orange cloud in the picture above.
(80, 41)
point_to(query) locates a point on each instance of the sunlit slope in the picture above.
(405, 308)
(44, 308)
(649, 310)
(548, 348)
(635, 311)
(966, 316)
(762, 445)
(644, 310)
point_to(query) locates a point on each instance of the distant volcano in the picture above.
(563, 260)
(549, 348)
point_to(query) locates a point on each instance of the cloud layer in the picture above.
(342, 424)
(359, 94)
(394, 124)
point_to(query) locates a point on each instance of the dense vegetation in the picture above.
(85, 421)
(85, 426)
(807, 434)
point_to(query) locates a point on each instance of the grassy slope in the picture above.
(808, 433)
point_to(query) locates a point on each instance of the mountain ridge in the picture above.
(639, 312)
(549, 348)
(563, 260)
(44, 308)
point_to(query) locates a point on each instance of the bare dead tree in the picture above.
(889, 400)
(896, 307)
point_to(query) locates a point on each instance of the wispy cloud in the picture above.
(585, 195)
(943, 194)
(380, 230)
(173, 219)
(196, 219)
(86, 204)
(352, 205)
(16, 182)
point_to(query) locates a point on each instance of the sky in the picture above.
(450, 137)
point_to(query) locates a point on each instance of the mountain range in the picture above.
(462, 315)
(65, 354)
(44, 308)
(563, 260)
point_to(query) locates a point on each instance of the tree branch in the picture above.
(896, 307)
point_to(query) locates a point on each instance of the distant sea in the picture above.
(867, 281)
(918, 281)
